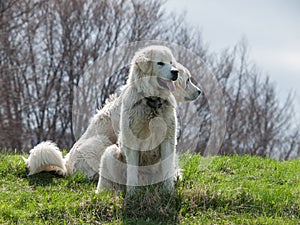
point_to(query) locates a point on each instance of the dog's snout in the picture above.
(174, 73)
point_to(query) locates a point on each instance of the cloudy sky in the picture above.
(271, 27)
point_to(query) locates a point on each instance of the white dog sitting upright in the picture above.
(148, 119)
(112, 170)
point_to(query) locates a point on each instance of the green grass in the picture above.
(219, 190)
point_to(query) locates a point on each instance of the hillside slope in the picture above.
(219, 190)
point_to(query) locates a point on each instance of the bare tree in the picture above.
(258, 123)
(47, 46)
(51, 50)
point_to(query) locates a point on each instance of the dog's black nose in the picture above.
(174, 75)
(199, 92)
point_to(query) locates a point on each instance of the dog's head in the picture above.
(155, 62)
(186, 89)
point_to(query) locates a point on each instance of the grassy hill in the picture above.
(219, 190)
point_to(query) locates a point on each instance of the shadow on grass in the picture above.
(148, 205)
(151, 205)
(44, 179)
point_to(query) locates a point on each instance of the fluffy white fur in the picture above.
(102, 132)
(45, 157)
(113, 163)
(148, 118)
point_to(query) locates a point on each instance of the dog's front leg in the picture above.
(132, 158)
(168, 163)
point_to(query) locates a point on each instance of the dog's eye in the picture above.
(187, 81)
(161, 63)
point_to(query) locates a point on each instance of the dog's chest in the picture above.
(155, 106)
(144, 111)
(142, 115)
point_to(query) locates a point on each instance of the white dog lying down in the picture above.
(148, 123)
(85, 155)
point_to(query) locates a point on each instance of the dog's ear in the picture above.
(144, 64)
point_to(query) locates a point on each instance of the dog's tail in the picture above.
(45, 157)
